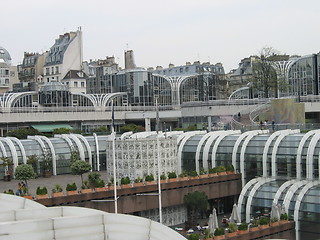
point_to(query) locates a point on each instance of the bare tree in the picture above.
(265, 79)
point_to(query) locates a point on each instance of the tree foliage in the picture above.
(80, 167)
(22, 133)
(132, 128)
(265, 79)
(196, 202)
(24, 172)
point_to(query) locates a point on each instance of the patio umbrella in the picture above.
(213, 221)
(275, 211)
(235, 216)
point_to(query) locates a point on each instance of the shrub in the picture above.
(284, 216)
(221, 169)
(219, 232)
(138, 179)
(213, 170)
(203, 171)
(57, 188)
(194, 236)
(93, 179)
(85, 185)
(275, 219)
(42, 191)
(100, 183)
(207, 234)
(243, 226)
(230, 167)
(10, 192)
(172, 175)
(183, 174)
(193, 173)
(233, 227)
(71, 187)
(149, 178)
(125, 180)
(163, 177)
(264, 221)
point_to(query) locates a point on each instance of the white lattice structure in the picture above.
(139, 157)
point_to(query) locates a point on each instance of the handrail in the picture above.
(257, 111)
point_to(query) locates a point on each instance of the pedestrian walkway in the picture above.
(49, 183)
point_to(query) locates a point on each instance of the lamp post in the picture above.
(113, 133)
(158, 156)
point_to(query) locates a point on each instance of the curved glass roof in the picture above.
(54, 86)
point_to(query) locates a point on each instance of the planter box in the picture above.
(75, 192)
(193, 178)
(100, 189)
(172, 179)
(57, 194)
(213, 174)
(138, 184)
(111, 188)
(240, 232)
(230, 172)
(274, 224)
(183, 179)
(203, 176)
(42, 196)
(219, 237)
(253, 229)
(7, 178)
(47, 174)
(163, 181)
(28, 197)
(123, 186)
(222, 173)
(87, 190)
(233, 234)
(263, 226)
(150, 183)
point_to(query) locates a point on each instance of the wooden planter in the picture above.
(219, 237)
(253, 229)
(123, 186)
(163, 181)
(100, 189)
(47, 174)
(240, 232)
(57, 194)
(233, 234)
(151, 182)
(87, 190)
(222, 173)
(172, 179)
(193, 178)
(42, 196)
(183, 179)
(28, 197)
(203, 176)
(213, 174)
(7, 178)
(138, 184)
(272, 224)
(264, 226)
(230, 172)
(74, 192)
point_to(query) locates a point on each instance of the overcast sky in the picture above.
(166, 31)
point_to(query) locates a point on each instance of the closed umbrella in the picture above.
(213, 221)
(274, 211)
(235, 216)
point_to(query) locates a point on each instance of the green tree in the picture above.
(33, 160)
(23, 133)
(264, 74)
(80, 167)
(74, 156)
(62, 131)
(132, 128)
(24, 172)
(196, 202)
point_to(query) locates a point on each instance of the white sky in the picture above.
(166, 31)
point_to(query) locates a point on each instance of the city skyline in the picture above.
(170, 32)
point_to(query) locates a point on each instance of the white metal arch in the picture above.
(299, 151)
(180, 148)
(290, 193)
(243, 150)
(275, 149)
(86, 143)
(22, 150)
(78, 143)
(13, 151)
(266, 150)
(236, 146)
(197, 157)
(310, 155)
(217, 142)
(97, 150)
(3, 149)
(67, 139)
(299, 200)
(281, 189)
(243, 194)
(207, 146)
(252, 193)
(53, 153)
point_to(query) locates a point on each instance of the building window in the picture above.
(47, 71)
(75, 84)
(57, 69)
(82, 84)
